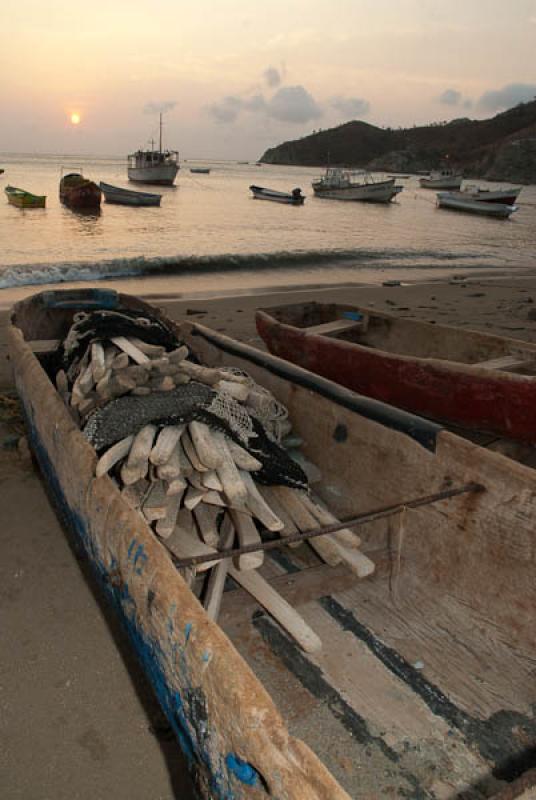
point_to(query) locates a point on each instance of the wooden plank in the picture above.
(333, 327)
(505, 363)
(44, 345)
(296, 588)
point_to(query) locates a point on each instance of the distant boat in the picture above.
(242, 162)
(507, 196)
(456, 202)
(295, 197)
(200, 170)
(345, 184)
(79, 193)
(154, 166)
(23, 199)
(126, 197)
(442, 179)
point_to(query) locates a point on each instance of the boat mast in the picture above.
(160, 141)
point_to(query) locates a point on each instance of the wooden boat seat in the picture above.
(334, 327)
(505, 363)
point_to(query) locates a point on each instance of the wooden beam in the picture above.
(296, 588)
(333, 327)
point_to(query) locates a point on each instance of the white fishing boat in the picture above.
(126, 197)
(456, 202)
(294, 198)
(445, 178)
(344, 184)
(154, 166)
(506, 196)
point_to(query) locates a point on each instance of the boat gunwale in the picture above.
(251, 746)
(437, 362)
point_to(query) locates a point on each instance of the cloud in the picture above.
(272, 76)
(288, 104)
(226, 111)
(159, 108)
(450, 97)
(351, 106)
(293, 104)
(508, 96)
(230, 107)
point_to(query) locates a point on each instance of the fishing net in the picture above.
(104, 324)
(194, 401)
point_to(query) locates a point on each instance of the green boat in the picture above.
(24, 199)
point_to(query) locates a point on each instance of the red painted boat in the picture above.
(469, 379)
(79, 192)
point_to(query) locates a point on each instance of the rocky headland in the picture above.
(502, 148)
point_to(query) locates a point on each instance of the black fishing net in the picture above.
(104, 324)
(194, 401)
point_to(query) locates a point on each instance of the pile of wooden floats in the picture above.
(196, 487)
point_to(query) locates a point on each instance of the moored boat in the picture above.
(127, 197)
(425, 674)
(345, 184)
(506, 196)
(23, 199)
(445, 178)
(295, 197)
(474, 380)
(158, 167)
(79, 193)
(458, 201)
(200, 170)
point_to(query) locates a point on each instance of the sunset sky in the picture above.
(238, 76)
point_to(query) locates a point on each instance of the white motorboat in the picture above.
(294, 198)
(345, 184)
(126, 197)
(442, 179)
(506, 196)
(456, 202)
(154, 166)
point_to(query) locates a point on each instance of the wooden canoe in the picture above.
(425, 685)
(23, 199)
(470, 379)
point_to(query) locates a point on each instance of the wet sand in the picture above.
(77, 719)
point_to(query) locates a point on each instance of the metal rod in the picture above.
(358, 519)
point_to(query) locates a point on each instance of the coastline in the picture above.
(80, 680)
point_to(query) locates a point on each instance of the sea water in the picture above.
(210, 231)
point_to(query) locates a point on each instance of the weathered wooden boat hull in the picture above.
(436, 387)
(126, 197)
(158, 175)
(23, 199)
(456, 202)
(453, 183)
(233, 735)
(376, 192)
(260, 193)
(85, 196)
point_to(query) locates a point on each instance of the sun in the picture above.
(75, 118)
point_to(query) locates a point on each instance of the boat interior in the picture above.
(425, 686)
(406, 337)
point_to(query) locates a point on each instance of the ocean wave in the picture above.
(70, 272)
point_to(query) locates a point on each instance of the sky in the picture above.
(235, 77)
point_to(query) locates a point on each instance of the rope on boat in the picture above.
(359, 519)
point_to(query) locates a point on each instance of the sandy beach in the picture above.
(78, 719)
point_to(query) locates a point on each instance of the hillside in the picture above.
(500, 148)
